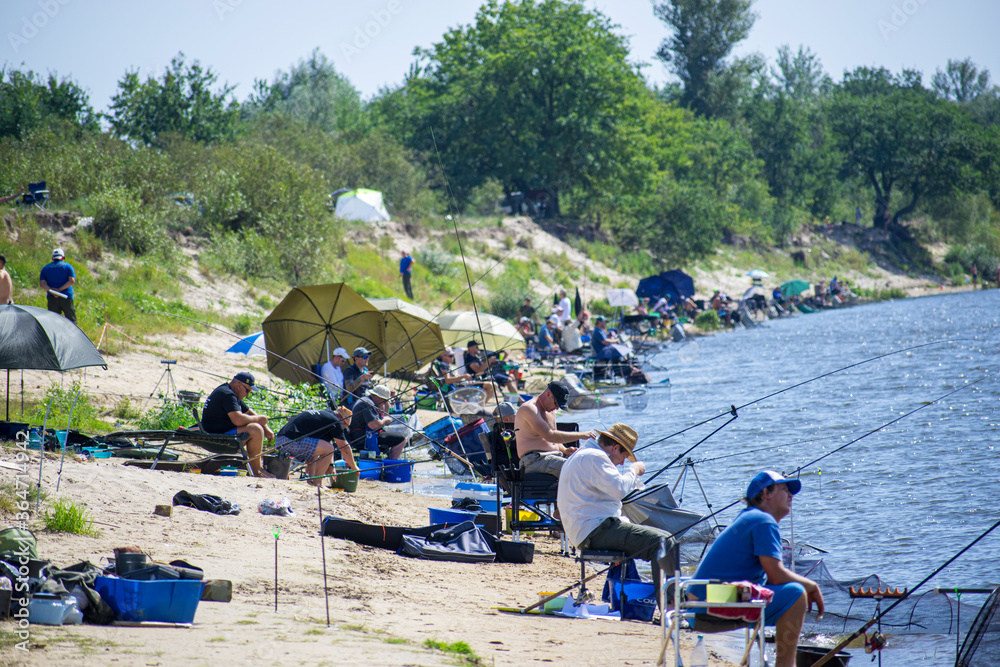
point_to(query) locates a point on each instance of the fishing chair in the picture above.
(677, 587)
(36, 196)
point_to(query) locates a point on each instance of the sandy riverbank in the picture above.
(382, 606)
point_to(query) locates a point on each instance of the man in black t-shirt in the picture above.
(484, 369)
(309, 437)
(370, 415)
(357, 377)
(226, 413)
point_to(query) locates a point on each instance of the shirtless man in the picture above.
(6, 284)
(539, 445)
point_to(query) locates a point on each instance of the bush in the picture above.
(68, 517)
(707, 321)
(244, 324)
(438, 262)
(167, 416)
(483, 198)
(122, 222)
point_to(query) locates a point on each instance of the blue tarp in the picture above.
(674, 284)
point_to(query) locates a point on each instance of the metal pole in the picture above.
(41, 456)
(322, 543)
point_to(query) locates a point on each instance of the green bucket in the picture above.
(346, 480)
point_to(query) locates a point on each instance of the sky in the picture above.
(372, 41)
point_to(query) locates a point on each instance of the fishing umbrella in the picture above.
(577, 304)
(757, 274)
(793, 287)
(458, 328)
(311, 318)
(35, 339)
(412, 338)
(622, 297)
(252, 346)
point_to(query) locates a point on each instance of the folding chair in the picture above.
(677, 588)
(36, 196)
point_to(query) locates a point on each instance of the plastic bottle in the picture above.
(699, 654)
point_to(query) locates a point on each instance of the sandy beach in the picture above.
(383, 606)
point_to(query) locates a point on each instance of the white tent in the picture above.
(361, 204)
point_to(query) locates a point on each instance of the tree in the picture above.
(538, 95)
(895, 135)
(181, 103)
(26, 102)
(312, 91)
(704, 33)
(801, 76)
(961, 81)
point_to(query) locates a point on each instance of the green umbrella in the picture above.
(412, 338)
(314, 318)
(793, 287)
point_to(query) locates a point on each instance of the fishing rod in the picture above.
(677, 458)
(844, 642)
(794, 386)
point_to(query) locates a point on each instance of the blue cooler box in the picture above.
(161, 601)
(442, 428)
(484, 494)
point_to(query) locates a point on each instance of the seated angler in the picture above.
(226, 413)
(371, 415)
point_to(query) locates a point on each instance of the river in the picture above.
(899, 502)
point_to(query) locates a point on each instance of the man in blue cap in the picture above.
(750, 550)
(226, 413)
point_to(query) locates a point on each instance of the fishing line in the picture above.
(794, 386)
(677, 458)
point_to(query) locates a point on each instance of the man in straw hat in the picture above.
(591, 488)
(542, 448)
(750, 549)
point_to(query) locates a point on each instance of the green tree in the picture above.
(704, 33)
(898, 138)
(312, 91)
(27, 103)
(538, 95)
(181, 103)
(961, 81)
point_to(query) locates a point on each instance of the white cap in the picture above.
(341, 352)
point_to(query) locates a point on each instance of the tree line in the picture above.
(539, 97)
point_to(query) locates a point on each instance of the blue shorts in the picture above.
(785, 595)
(303, 449)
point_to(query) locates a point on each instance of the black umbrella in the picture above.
(577, 304)
(36, 339)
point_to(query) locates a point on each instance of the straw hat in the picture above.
(624, 435)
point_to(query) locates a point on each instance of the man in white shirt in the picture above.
(591, 489)
(565, 308)
(333, 373)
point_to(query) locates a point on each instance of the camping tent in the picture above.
(361, 204)
(674, 284)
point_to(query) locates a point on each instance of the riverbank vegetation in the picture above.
(542, 98)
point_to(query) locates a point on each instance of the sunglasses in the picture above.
(364, 356)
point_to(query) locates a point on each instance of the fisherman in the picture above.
(333, 373)
(226, 413)
(591, 488)
(370, 415)
(485, 369)
(540, 446)
(357, 376)
(565, 312)
(310, 436)
(750, 550)
(56, 280)
(441, 370)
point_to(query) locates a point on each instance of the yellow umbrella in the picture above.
(412, 338)
(313, 319)
(458, 328)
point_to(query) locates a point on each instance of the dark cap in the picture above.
(559, 392)
(245, 377)
(361, 351)
(471, 343)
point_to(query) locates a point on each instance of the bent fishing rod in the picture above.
(844, 642)
(794, 386)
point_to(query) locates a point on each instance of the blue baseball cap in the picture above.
(769, 478)
(244, 377)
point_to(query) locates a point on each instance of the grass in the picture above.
(68, 517)
(460, 649)
(11, 494)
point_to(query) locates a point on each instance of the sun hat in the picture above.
(624, 435)
(559, 392)
(245, 377)
(58, 253)
(381, 391)
(769, 478)
(340, 352)
(361, 351)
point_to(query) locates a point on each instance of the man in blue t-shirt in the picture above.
(57, 279)
(750, 550)
(406, 272)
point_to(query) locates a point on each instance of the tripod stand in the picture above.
(171, 386)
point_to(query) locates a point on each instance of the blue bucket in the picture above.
(397, 471)
(370, 469)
